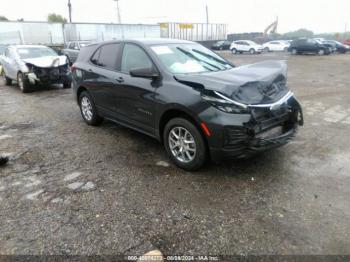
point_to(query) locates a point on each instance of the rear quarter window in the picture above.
(86, 52)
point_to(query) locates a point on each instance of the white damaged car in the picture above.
(31, 65)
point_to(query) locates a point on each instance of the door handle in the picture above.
(120, 79)
(90, 70)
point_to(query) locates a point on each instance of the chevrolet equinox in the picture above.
(196, 103)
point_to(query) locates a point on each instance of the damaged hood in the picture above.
(47, 61)
(259, 83)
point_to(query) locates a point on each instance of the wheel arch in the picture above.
(176, 112)
(80, 90)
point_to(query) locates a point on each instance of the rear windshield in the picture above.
(35, 52)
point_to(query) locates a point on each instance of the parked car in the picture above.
(183, 94)
(308, 45)
(2, 52)
(72, 49)
(276, 46)
(221, 45)
(339, 47)
(347, 42)
(332, 46)
(34, 64)
(245, 46)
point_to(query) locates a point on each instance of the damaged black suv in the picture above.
(195, 102)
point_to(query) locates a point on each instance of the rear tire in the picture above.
(189, 145)
(267, 50)
(321, 52)
(88, 110)
(234, 51)
(294, 51)
(23, 83)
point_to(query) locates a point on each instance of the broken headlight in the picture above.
(225, 104)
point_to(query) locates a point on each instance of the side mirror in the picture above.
(145, 72)
(76, 48)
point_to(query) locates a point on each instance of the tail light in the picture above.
(73, 68)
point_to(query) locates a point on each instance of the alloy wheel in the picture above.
(86, 108)
(182, 144)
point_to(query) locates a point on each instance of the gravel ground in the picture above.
(74, 189)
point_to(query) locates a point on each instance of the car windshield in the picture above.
(35, 52)
(251, 42)
(189, 58)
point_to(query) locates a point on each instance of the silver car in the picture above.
(31, 65)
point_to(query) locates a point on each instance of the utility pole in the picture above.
(345, 30)
(119, 18)
(70, 11)
(118, 12)
(207, 14)
(207, 20)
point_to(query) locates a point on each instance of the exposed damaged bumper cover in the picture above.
(258, 111)
(48, 70)
(267, 128)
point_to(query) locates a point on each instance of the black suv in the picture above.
(308, 46)
(195, 102)
(221, 45)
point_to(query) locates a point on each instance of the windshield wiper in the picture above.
(197, 59)
(223, 62)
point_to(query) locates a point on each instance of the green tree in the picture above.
(55, 18)
(298, 33)
(3, 18)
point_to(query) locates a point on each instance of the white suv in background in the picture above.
(245, 46)
(276, 46)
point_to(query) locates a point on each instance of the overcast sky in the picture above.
(240, 15)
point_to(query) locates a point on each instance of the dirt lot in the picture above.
(74, 189)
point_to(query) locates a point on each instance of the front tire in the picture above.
(321, 52)
(252, 51)
(294, 51)
(185, 144)
(23, 83)
(234, 51)
(88, 109)
(267, 50)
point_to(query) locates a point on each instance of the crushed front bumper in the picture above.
(55, 75)
(251, 146)
(264, 131)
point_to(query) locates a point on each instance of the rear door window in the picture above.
(107, 56)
